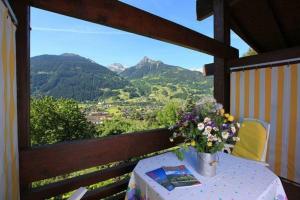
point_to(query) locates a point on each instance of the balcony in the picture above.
(276, 39)
(120, 152)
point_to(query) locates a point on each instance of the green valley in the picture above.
(116, 99)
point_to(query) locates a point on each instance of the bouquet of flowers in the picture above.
(206, 127)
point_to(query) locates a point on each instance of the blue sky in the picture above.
(56, 34)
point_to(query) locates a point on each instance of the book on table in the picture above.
(171, 177)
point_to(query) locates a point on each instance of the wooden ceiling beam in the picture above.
(236, 27)
(122, 16)
(205, 8)
(277, 26)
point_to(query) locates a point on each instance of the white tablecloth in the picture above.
(236, 178)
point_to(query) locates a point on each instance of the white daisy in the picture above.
(205, 133)
(208, 129)
(215, 129)
(225, 135)
(233, 129)
(200, 126)
(206, 119)
(215, 138)
(210, 137)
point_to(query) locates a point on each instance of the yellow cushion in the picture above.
(253, 138)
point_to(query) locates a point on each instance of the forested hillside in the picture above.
(157, 79)
(71, 76)
(76, 77)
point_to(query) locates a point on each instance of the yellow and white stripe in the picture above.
(273, 95)
(9, 166)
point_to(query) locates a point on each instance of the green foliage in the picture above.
(169, 115)
(56, 120)
(250, 52)
(72, 76)
(205, 127)
(119, 125)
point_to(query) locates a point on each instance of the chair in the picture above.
(244, 146)
(78, 194)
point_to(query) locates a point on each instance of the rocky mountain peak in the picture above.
(147, 60)
(116, 67)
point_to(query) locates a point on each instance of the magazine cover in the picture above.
(160, 177)
(180, 176)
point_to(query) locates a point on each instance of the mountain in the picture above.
(148, 67)
(155, 77)
(116, 67)
(72, 76)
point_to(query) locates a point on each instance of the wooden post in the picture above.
(22, 12)
(222, 34)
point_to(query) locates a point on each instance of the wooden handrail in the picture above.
(61, 187)
(107, 191)
(59, 159)
(119, 196)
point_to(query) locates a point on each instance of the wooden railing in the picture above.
(59, 159)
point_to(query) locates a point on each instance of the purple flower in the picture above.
(225, 126)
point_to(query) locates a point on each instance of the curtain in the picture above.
(273, 95)
(9, 172)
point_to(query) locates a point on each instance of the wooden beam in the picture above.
(67, 185)
(120, 196)
(58, 159)
(222, 34)
(209, 69)
(237, 28)
(106, 191)
(277, 26)
(263, 59)
(205, 8)
(274, 56)
(122, 16)
(22, 12)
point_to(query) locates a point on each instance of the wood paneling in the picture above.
(266, 25)
(58, 159)
(119, 15)
(61, 187)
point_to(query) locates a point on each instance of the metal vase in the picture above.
(206, 164)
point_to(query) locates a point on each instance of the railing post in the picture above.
(22, 11)
(222, 34)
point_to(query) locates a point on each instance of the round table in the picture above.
(236, 178)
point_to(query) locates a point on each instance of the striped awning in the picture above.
(272, 95)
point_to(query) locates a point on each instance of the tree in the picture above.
(250, 52)
(57, 120)
(119, 125)
(169, 115)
